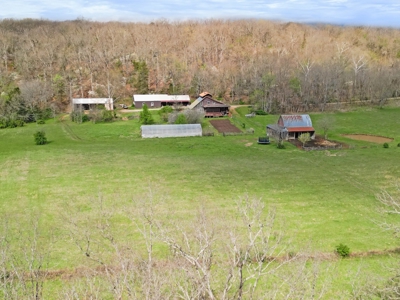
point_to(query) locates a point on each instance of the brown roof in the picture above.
(203, 94)
(300, 129)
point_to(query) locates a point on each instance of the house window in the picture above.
(152, 104)
(208, 102)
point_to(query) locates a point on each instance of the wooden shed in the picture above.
(292, 126)
(159, 100)
(212, 107)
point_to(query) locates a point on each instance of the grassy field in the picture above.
(321, 199)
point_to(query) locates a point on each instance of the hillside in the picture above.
(278, 66)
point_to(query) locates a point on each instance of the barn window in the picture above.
(152, 104)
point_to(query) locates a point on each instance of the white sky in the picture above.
(343, 12)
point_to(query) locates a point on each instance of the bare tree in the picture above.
(326, 123)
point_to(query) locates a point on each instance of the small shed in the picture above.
(88, 103)
(159, 100)
(173, 130)
(212, 107)
(291, 127)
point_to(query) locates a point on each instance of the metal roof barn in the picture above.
(173, 130)
(161, 97)
(108, 102)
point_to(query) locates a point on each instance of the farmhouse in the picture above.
(212, 107)
(172, 130)
(159, 100)
(88, 103)
(291, 127)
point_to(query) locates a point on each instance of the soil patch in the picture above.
(319, 143)
(224, 126)
(369, 138)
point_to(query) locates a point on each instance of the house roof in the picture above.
(92, 101)
(203, 94)
(276, 127)
(214, 103)
(161, 97)
(195, 103)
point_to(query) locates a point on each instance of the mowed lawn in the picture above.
(321, 199)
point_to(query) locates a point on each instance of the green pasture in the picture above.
(321, 198)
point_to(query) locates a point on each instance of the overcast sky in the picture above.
(343, 12)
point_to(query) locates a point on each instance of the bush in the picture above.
(342, 250)
(164, 111)
(40, 122)
(261, 112)
(11, 123)
(40, 138)
(145, 116)
(385, 145)
(280, 146)
(85, 118)
(79, 116)
(181, 119)
(19, 123)
(194, 116)
(398, 145)
(107, 116)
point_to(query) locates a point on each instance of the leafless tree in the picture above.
(326, 123)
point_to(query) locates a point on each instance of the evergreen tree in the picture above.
(146, 117)
(140, 78)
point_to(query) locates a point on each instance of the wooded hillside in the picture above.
(281, 67)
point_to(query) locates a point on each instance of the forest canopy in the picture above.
(279, 67)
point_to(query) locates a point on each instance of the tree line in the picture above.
(279, 67)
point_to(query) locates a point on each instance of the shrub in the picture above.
(385, 145)
(40, 122)
(181, 119)
(342, 250)
(107, 116)
(40, 138)
(398, 145)
(145, 116)
(280, 146)
(194, 116)
(164, 111)
(96, 115)
(261, 112)
(85, 118)
(19, 123)
(78, 116)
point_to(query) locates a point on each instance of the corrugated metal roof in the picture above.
(290, 121)
(161, 97)
(92, 101)
(195, 103)
(276, 127)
